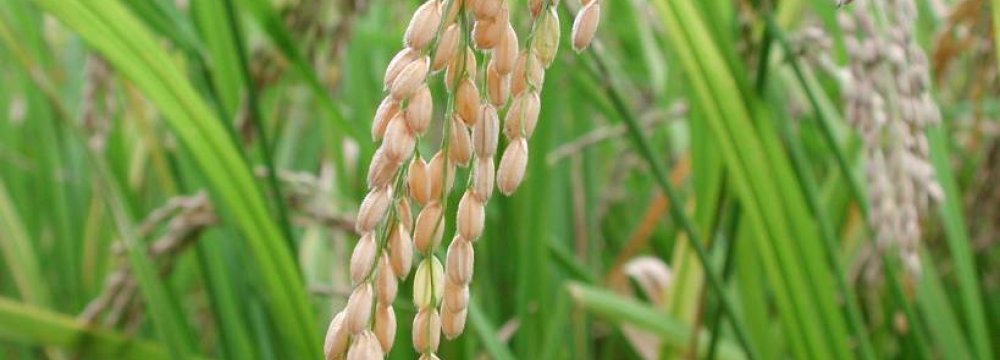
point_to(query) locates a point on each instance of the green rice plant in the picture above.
(679, 179)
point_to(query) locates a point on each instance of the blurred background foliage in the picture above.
(178, 179)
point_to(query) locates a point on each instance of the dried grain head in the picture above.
(460, 146)
(535, 7)
(505, 53)
(456, 297)
(467, 101)
(459, 66)
(522, 116)
(528, 73)
(336, 338)
(358, 311)
(453, 323)
(404, 213)
(497, 85)
(423, 25)
(399, 142)
(386, 285)
(397, 64)
(418, 180)
(363, 257)
(429, 228)
(486, 132)
(453, 10)
(385, 326)
(365, 346)
(510, 173)
(460, 260)
(426, 330)
(447, 47)
(420, 110)
(410, 78)
(487, 32)
(487, 9)
(385, 112)
(470, 216)
(585, 25)
(373, 209)
(441, 172)
(381, 170)
(483, 174)
(400, 251)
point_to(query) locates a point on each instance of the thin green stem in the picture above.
(809, 188)
(676, 203)
(731, 227)
(258, 124)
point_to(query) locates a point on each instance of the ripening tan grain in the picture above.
(456, 297)
(410, 78)
(482, 178)
(381, 169)
(460, 146)
(428, 283)
(467, 101)
(522, 116)
(429, 228)
(420, 110)
(399, 61)
(447, 47)
(373, 209)
(505, 53)
(487, 32)
(471, 4)
(399, 142)
(466, 67)
(460, 260)
(535, 6)
(365, 347)
(453, 10)
(363, 257)
(585, 25)
(426, 330)
(453, 323)
(547, 35)
(528, 73)
(400, 251)
(403, 212)
(423, 25)
(385, 326)
(470, 216)
(497, 86)
(441, 173)
(486, 133)
(487, 9)
(358, 311)
(385, 112)
(336, 338)
(510, 173)
(418, 180)
(386, 285)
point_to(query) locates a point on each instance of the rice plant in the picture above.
(491, 179)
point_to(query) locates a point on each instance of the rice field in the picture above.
(492, 179)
